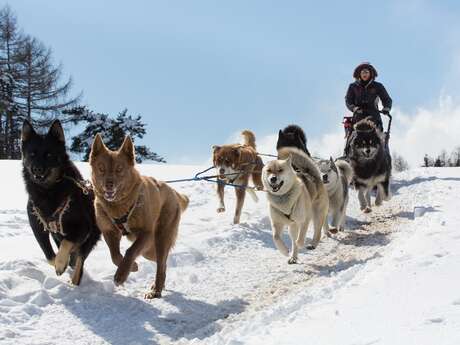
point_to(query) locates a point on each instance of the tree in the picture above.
(30, 85)
(39, 89)
(399, 163)
(113, 132)
(10, 41)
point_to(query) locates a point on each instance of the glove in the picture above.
(386, 111)
(357, 110)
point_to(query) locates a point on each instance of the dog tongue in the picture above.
(109, 195)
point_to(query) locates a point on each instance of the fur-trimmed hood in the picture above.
(365, 65)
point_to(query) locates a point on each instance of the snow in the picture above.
(390, 278)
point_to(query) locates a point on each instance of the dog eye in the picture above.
(49, 155)
(119, 169)
(280, 171)
(101, 169)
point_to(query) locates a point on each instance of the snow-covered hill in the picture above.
(391, 278)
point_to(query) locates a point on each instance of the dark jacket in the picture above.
(365, 96)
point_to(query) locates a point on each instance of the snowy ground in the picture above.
(391, 278)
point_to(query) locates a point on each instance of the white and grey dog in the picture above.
(336, 176)
(295, 198)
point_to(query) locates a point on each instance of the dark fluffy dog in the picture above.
(59, 203)
(371, 163)
(292, 136)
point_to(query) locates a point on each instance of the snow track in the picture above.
(223, 280)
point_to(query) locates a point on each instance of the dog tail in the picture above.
(301, 161)
(249, 138)
(345, 169)
(183, 201)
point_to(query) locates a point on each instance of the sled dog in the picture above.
(371, 163)
(336, 176)
(292, 136)
(60, 204)
(141, 208)
(235, 164)
(295, 198)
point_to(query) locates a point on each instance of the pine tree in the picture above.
(113, 132)
(30, 85)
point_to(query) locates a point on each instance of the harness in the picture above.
(53, 223)
(122, 223)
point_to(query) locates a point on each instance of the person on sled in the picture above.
(363, 96)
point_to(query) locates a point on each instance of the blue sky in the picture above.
(199, 71)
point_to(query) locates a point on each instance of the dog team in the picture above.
(119, 201)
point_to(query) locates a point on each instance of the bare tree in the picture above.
(39, 89)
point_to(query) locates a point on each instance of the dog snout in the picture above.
(368, 151)
(38, 171)
(109, 184)
(273, 179)
(222, 171)
(325, 178)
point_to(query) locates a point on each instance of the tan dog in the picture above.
(147, 211)
(295, 198)
(235, 164)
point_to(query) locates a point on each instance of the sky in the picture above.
(201, 71)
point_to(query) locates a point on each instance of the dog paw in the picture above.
(236, 220)
(120, 276)
(310, 247)
(333, 231)
(152, 295)
(367, 210)
(51, 262)
(134, 267)
(220, 209)
(292, 261)
(60, 265)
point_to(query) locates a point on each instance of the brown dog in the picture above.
(235, 164)
(147, 211)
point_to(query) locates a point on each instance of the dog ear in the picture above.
(97, 147)
(289, 160)
(215, 148)
(127, 148)
(27, 131)
(280, 134)
(56, 131)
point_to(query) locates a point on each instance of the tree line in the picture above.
(444, 159)
(33, 87)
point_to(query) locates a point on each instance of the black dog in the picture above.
(292, 136)
(59, 203)
(371, 163)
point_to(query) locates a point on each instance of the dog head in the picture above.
(113, 172)
(367, 140)
(43, 155)
(292, 136)
(278, 176)
(226, 160)
(329, 172)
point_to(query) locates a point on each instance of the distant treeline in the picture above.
(444, 159)
(32, 87)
